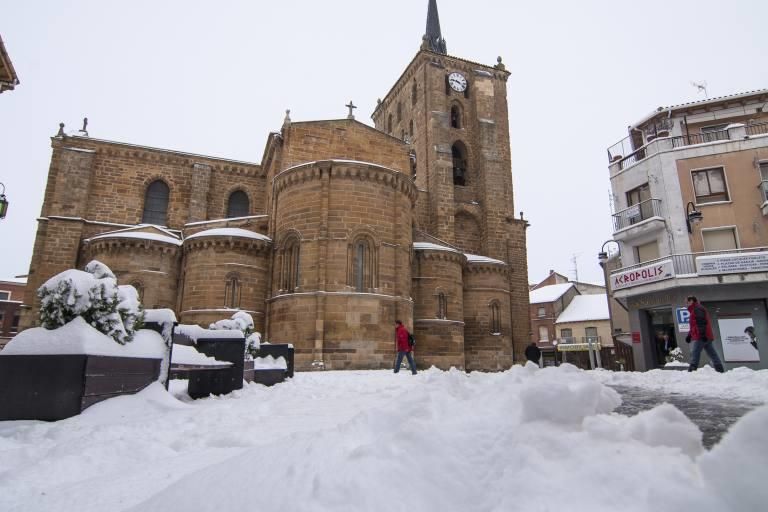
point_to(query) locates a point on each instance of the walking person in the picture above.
(532, 353)
(701, 335)
(404, 348)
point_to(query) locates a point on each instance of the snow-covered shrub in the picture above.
(675, 355)
(94, 295)
(241, 321)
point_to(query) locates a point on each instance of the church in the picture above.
(341, 229)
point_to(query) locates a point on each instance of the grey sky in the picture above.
(216, 77)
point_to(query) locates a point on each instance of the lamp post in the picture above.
(602, 258)
(692, 216)
(3, 203)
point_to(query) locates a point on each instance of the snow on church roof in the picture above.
(241, 233)
(475, 258)
(426, 246)
(140, 235)
(585, 308)
(548, 293)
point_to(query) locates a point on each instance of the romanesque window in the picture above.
(389, 124)
(139, 289)
(364, 265)
(414, 93)
(232, 291)
(495, 318)
(238, 205)
(399, 111)
(442, 306)
(410, 128)
(156, 204)
(289, 274)
(456, 116)
(459, 153)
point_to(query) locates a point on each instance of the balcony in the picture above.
(626, 152)
(691, 265)
(642, 220)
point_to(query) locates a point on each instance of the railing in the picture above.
(685, 264)
(757, 129)
(636, 213)
(699, 138)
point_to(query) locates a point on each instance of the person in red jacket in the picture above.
(701, 335)
(403, 347)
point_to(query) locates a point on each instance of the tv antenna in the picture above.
(575, 260)
(701, 87)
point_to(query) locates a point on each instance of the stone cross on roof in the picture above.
(351, 106)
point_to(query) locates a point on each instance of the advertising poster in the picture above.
(737, 336)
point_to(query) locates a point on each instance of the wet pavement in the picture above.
(713, 416)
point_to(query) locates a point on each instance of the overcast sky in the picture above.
(216, 77)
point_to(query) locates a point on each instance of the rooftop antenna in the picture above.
(701, 87)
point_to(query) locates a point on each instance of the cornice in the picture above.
(233, 243)
(127, 244)
(441, 255)
(339, 169)
(476, 267)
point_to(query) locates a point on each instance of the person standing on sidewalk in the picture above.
(701, 335)
(533, 353)
(404, 348)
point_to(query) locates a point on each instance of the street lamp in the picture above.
(602, 256)
(692, 216)
(3, 203)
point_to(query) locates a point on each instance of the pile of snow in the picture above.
(195, 332)
(270, 363)
(243, 322)
(189, 356)
(77, 337)
(236, 232)
(328, 441)
(160, 316)
(549, 293)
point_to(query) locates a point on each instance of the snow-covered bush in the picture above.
(94, 295)
(675, 355)
(241, 321)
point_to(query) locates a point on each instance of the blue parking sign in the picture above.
(683, 319)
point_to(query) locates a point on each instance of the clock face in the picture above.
(458, 82)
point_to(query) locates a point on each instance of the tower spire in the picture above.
(433, 38)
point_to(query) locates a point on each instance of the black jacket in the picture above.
(532, 353)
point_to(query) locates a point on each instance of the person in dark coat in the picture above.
(532, 353)
(404, 348)
(701, 335)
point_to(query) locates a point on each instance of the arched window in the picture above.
(156, 204)
(289, 273)
(389, 124)
(456, 117)
(410, 128)
(414, 93)
(442, 306)
(399, 111)
(459, 153)
(232, 291)
(363, 276)
(139, 290)
(495, 318)
(238, 204)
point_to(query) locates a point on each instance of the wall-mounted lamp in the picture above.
(3, 203)
(692, 216)
(602, 256)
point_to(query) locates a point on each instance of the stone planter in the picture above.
(218, 381)
(54, 387)
(269, 377)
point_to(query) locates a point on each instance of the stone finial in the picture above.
(499, 65)
(287, 120)
(522, 216)
(84, 130)
(61, 130)
(424, 42)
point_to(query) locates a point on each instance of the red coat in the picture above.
(402, 339)
(699, 322)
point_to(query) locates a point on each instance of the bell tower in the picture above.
(454, 114)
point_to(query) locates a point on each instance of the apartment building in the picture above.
(690, 190)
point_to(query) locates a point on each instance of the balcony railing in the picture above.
(699, 138)
(757, 129)
(685, 264)
(636, 213)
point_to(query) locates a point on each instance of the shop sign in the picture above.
(739, 342)
(636, 337)
(732, 263)
(643, 275)
(577, 347)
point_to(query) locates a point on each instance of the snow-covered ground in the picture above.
(526, 439)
